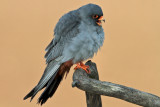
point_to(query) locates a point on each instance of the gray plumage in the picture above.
(77, 38)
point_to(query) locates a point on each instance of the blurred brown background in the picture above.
(130, 55)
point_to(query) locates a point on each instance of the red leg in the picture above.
(84, 67)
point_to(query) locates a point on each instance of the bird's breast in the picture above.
(85, 44)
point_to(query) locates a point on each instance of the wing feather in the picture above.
(50, 71)
(65, 30)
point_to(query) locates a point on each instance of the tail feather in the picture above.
(30, 94)
(50, 89)
(50, 72)
(51, 79)
(54, 82)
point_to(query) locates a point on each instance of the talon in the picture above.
(84, 67)
(77, 67)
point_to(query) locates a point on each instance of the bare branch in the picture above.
(85, 82)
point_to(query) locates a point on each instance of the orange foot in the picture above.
(84, 67)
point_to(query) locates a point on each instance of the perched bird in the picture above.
(77, 36)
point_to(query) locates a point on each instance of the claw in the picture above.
(84, 67)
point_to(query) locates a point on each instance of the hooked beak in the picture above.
(99, 22)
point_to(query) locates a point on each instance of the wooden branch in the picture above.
(93, 100)
(86, 83)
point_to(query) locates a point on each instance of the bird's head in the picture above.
(91, 14)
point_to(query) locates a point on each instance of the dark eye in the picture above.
(95, 16)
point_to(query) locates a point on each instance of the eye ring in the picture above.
(95, 16)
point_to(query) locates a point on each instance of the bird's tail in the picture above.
(51, 79)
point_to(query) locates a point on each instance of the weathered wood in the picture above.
(93, 100)
(86, 83)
